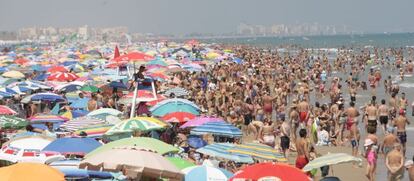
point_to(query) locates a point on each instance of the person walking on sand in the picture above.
(401, 122)
(394, 162)
(302, 148)
(383, 112)
(371, 157)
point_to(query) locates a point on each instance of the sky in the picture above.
(207, 16)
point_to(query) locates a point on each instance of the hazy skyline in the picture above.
(207, 16)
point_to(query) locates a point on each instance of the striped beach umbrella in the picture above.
(4, 110)
(200, 120)
(82, 122)
(62, 77)
(220, 150)
(47, 118)
(178, 117)
(331, 159)
(259, 151)
(12, 122)
(137, 123)
(206, 173)
(94, 131)
(177, 91)
(217, 128)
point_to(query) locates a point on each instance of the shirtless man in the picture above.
(403, 102)
(371, 112)
(392, 103)
(388, 143)
(302, 149)
(92, 103)
(383, 112)
(268, 105)
(284, 138)
(394, 162)
(294, 120)
(401, 122)
(267, 133)
(303, 108)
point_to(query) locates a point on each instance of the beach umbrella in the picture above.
(178, 117)
(219, 150)
(5, 110)
(206, 173)
(56, 69)
(80, 104)
(331, 159)
(69, 87)
(117, 84)
(148, 143)
(13, 74)
(78, 146)
(89, 88)
(30, 171)
(259, 151)
(134, 57)
(62, 77)
(21, 61)
(157, 62)
(270, 171)
(47, 118)
(94, 131)
(180, 163)
(217, 128)
(196, 141)
(12, 122)
(176, 101)
(197, 121)
(47, 96)
(137, 123)
(26, 149)
(141, 94)
(135, 162)
(174, 105)
(105, 112)
(82, 122)
(177, 91)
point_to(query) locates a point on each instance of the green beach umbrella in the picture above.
(170, 108)
(90, 88)
(12, 122)
(137, 124)
(145, 142)
(180, 163)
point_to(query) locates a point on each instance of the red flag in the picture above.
(116, 54)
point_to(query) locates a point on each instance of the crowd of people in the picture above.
(291, 101)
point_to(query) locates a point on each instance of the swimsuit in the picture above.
(301, 161)
(402, 135)
(284, 142)
(383, 119)
(371, 157)
(303, 116)
(354, 143)
(267, 108)
(372, 123)
(269, 139)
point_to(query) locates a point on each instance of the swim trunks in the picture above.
(383, 119)
(402, 135)
(303, 117)
(284, 142)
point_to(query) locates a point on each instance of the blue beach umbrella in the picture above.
(196, 142)
(80, 146)
(47, 97)
(218, 129)
(174, 107)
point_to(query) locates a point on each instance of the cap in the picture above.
(368, 142)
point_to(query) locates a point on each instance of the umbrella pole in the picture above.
(134, 101)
